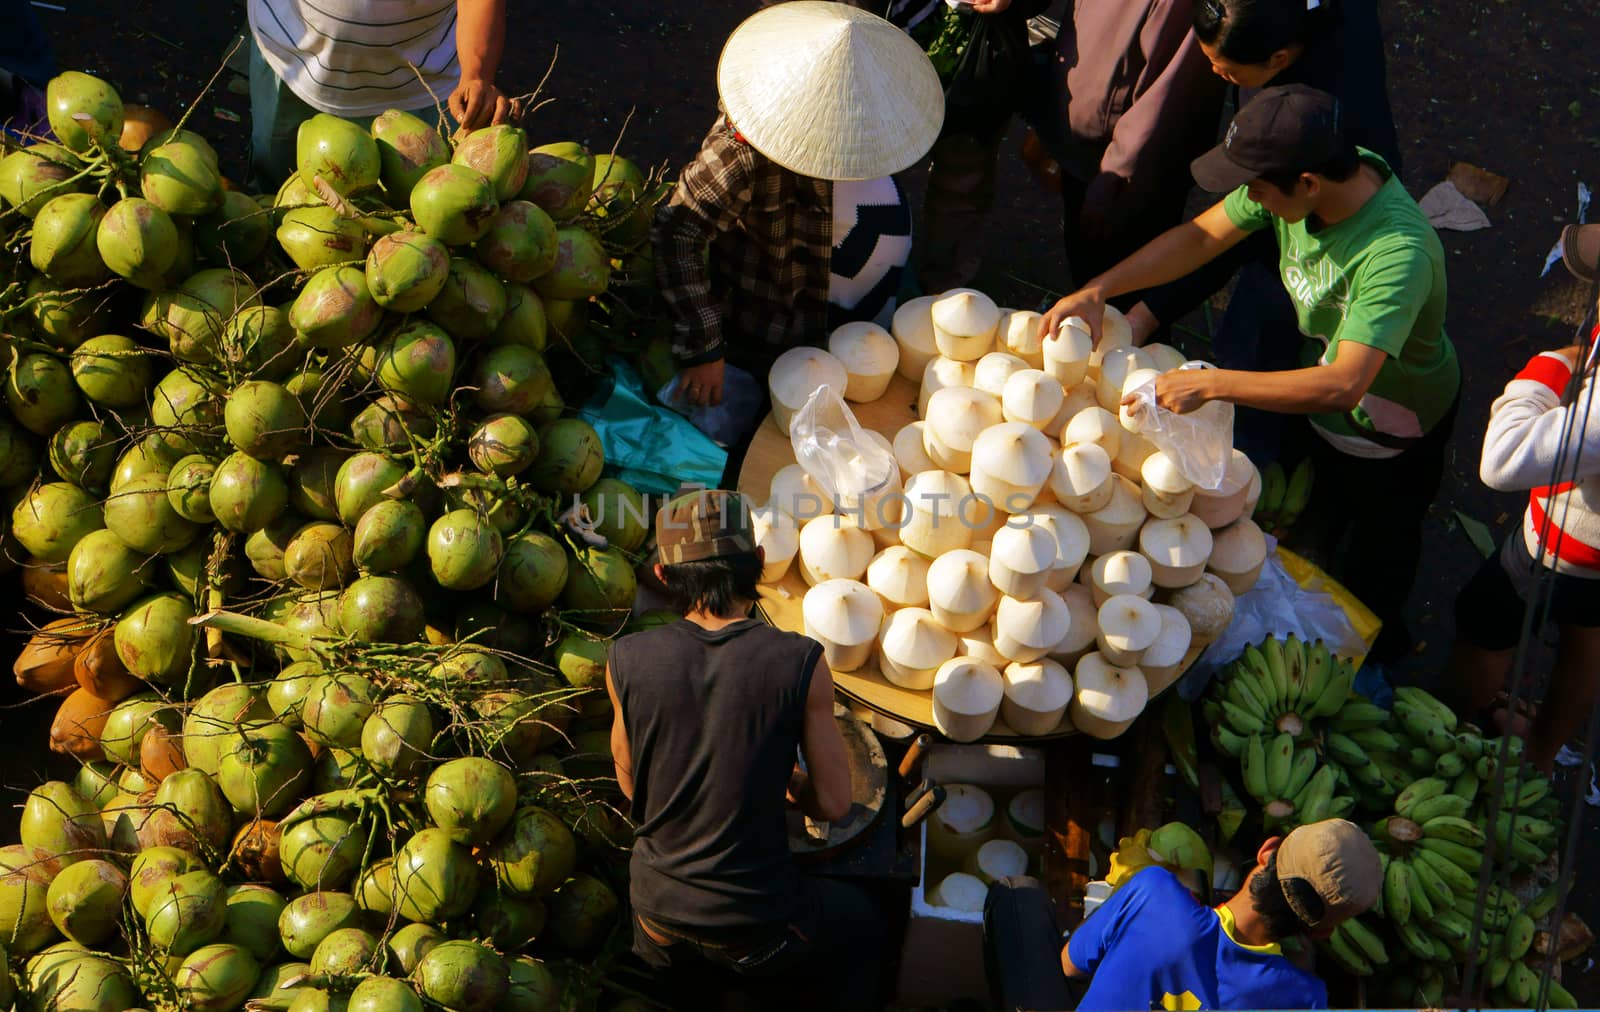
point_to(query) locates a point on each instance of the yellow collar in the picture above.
(1231, 930)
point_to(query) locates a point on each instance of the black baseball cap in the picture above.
(1291, 128)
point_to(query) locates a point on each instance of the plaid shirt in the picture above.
(764, 283)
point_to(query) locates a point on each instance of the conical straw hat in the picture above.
(830, 91)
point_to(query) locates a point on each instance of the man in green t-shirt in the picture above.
(1365, 271)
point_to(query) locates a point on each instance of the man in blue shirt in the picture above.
(1152, 945)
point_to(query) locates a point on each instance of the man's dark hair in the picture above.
(722, 586)
(1272, 906)
(1250, 31)
(1338, 169)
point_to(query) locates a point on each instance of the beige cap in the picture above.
(1335, 858)
(830, 91)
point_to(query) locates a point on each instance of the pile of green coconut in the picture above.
(330, 565)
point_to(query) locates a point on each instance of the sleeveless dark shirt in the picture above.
(713, 719)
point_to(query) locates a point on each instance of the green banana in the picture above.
(1358, 716)
(1455, 878)
(1397, 891)
(1254, 662)
(1227, 741)
(1294, 659)
(1374, 739)
(1469, 746)
(1242, 720)
(1544, 902)
(1495, 975)
(1368, 775)
(1419, 943)
(1431, 990)
(1522, 984)
(1340, 807)
(1465, 858)
(1280, 762)
(1366, 940)
(1425, 700)
(1344, 750)
(1537, 830)
(1485, 768)
(1450, 926)
(1297, 494)
(1421, 901)
(1305, 764)
(1439, 892)
(1449, 766)
(1466, 785)
(1277, 670)
(1453, 828)
(1319, 673)
(1274, 483)
(1519, 936)
(1345, 952)
(1559, 996)
(1440, 741)
(1419, 791)
(1421, 760)
(1316, 795)
(1336, 695)
(1254, 769)
(1533, 791)
(1239, 693)
(1441, 804)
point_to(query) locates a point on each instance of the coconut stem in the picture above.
(254, 628)
(1402, 830)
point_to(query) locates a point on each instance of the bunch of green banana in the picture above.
(1274, 484)
(1296, 495)
(1357, 948)
(1281, 686)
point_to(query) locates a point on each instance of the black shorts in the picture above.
(1490, 609)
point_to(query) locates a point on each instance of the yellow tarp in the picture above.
(1310, 577)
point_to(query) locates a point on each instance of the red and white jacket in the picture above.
(1521, 449)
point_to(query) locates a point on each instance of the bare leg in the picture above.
(1574, 687)
(1475, 676)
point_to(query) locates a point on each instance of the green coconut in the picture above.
(601, 584)
(318, 556)
(129, 721)
(503, 445)
(311, 482)
(514, 725)
(216, 978)
(184, 405)
(408, 148)
(405, 270)
(79, 980)
(322, 395)
(619, 513)
(464, 550)
(417, 362)
(535, 855)
(384, 994)
(533, 987)
(25, 876)
(463, 977)
(286, 693)
(500, 152)
(338, 152)
(139, 242)
(280, 982)
(85, 900)
(344, 953)
(361, 482)
(508, 922)
(382, 609)
(620, 199)
(191, 814)
(581, 659)
(194, 315)
(582, 910)
(63, 247)
(532, 573)
(237, 232)
(37, 174)
(190, 912)
(520, 244)
(524, 320)
(454, 203)
(390, 424)
(560, 179)
(582, 269)
(84, 453)
(308, 919)
(398, 736)
(335, 309)
(252, 919)
(83, 111)
(388, 536)
(265, 420)
(471, 798)
(153, 870)
(410, 943)
(180, 178)
(154, 639)
(41, 393)
(189, 488)
(259, 341)
(337, 769)
(247, 494)
(52, 518)
(322, 851)
(319, 237)
(336, 707)
(142, 516)
(112, 370)
(104, 575)
(471, 302)
(97, 782)
(58, 820)
(212, 722)
(510, 378)
(264, 770)
(435, 878)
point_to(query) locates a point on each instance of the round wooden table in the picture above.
(771, 451)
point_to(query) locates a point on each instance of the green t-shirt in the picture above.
(1376, 278)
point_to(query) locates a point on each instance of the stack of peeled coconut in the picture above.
(1035, 560)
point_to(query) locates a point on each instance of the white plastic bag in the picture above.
(1200, 442)
(855, 471)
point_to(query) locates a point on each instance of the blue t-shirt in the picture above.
(1152, 945)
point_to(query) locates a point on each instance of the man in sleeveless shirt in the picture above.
(709, 713)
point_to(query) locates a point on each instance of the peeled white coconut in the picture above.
(844, 616)
(959, 592)
(1081, 630)
(1011, 462)
(1025, 819)
(870, 356)
(1163, 357)
(1019, 334)
(1028, 629)
(1106, 699)
(1163, 488)
(1067, 352)
(1120, 572)
(964, 324)
(1071, 541)
(876, 505)
(978, 644)
(962, 824)
(1207, 604)
(956, 418)
(1095, 427)
(795, 374)
(1115, 334)
(1020, 559)
(1239, 554)
(998, 859)
(1037, 694)
(797, 493)
(1253, 494)
(1077, 399)
(1128, 626)
(833, 547)
(1162, 663)
(900, 577)
(994, 369)
(778, 536)
(966, 699)
(1133, 381)
(1133, 451)
(939, 374)
(1116, 524)
(960, 891)
(938, 506)
(1116, 365)
(912, 645)
(1177, 549)
(1032, 397)
(908, 451)
(1223, 505)
(913, 332)
(1081, 478)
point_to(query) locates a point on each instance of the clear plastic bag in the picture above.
(1200, 442)
(727, 421)
(856, 471)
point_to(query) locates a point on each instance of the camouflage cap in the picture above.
(704, 525)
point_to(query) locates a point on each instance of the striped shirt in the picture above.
(354, 58)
